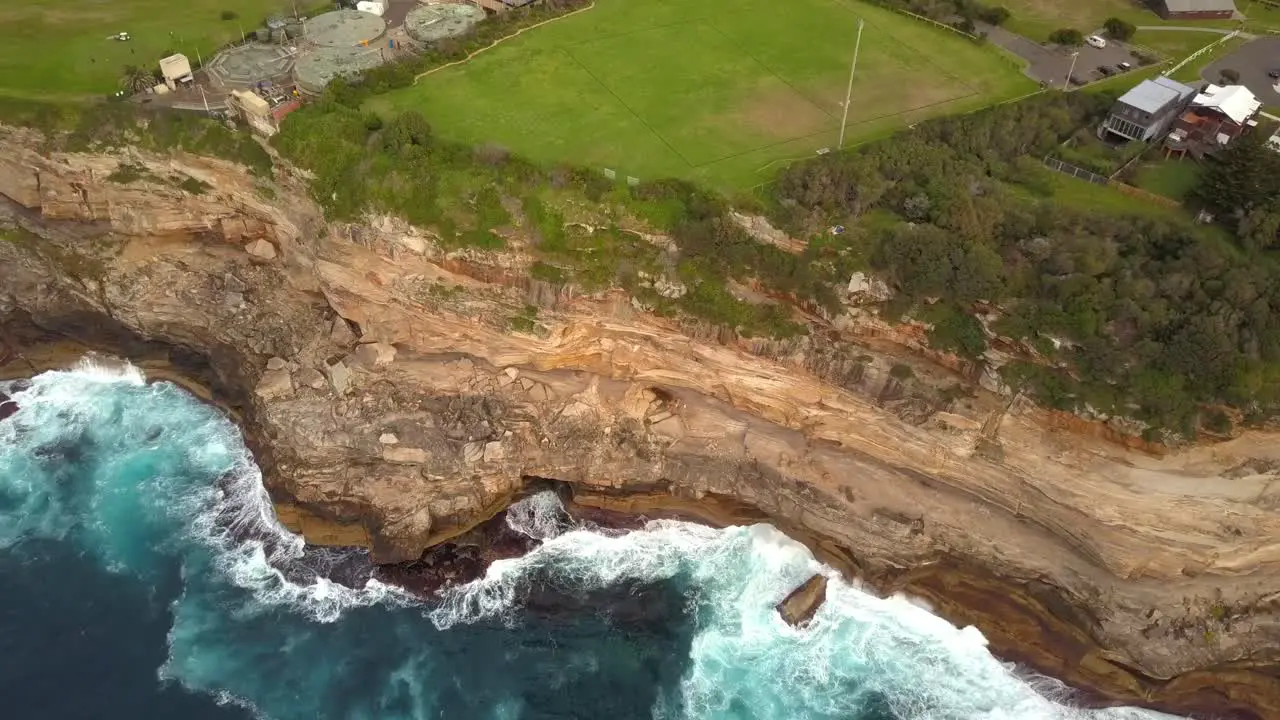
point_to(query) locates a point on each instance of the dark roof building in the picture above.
(1217, 116)
(1147, 110)
(1195, 9)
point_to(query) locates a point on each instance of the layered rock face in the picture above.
(390, 406)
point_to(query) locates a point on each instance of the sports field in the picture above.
(713, 90)
(61, 49)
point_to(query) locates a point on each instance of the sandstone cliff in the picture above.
(392, 405)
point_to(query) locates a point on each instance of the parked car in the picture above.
(1274, 73)
(1124, 67)
(1096, 41)
(1077, 80)
(1106, 70)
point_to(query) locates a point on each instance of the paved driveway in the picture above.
(1050, 64)
(1253, 61)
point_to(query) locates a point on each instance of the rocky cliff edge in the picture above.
(392, 405)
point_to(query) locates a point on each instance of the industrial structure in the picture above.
(316, 69)
(247, 65)
(254, 110)
(343, 29)
(431, 23)
(175, 69)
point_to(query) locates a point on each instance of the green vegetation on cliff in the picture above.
(1138, 314)
(80, 127)
(1122, 307)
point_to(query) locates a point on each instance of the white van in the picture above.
(1096, 41)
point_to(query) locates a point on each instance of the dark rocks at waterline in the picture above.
(460, 560)
(798, 608)
(8, 406)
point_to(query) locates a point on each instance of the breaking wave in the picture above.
(674, 620)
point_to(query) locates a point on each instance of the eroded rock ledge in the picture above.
(389, 407)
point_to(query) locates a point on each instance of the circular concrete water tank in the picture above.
(429, 23)
(247, 65)
(316, 69)
(344, 28)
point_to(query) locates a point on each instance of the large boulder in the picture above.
(372, 355)
(799, 607)
(7, 406)
(274, 384)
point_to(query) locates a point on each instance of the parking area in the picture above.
(1091, 61)
(1253, 61)
(1050, 64)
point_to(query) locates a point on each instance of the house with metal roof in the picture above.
(1217, 115)
(1146, 112)
(1195, 9)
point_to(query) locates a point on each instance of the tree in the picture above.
(997, 15)
(1229, 76)
(1119, 29)
(1067, 36)
(1240, 179)
(136, 79)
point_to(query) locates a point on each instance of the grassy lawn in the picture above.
(60, 48)
(1174, 45)
(1083, 195)
(1037, 18)
(1191, 71)
(1171, 178)
(712, 91)
(1262, 17)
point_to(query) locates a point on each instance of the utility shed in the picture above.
(254, 110)
(175, 69)
(1195, 9)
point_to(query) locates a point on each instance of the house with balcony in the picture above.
(1146, 112)
(1216, 116)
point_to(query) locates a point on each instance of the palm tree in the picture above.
(136, 79)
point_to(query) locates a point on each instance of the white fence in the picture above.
(1201, 51)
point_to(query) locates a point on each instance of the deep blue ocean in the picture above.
(143, 575)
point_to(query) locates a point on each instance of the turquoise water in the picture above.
(145, 576)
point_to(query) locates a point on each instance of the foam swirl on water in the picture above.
(143, 477)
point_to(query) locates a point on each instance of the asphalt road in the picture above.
(1253, 61)
(1049, 63)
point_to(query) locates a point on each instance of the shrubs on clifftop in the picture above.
(1153, 317)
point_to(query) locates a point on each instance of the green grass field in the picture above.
(59, 49)
(1036, 19)
(712, 91)
(1172, 178)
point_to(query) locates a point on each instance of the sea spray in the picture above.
(674, 620)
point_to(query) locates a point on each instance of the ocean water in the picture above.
(143, 575)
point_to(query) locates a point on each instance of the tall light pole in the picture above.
(1066, 82)
(848, 93)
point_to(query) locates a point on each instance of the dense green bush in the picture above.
(1119, 29)
(1154, 314)
(1069, 37)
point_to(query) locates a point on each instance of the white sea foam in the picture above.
(858, 649)
(540, 516)
(241, 508)
(857, 645)
(235, 519)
